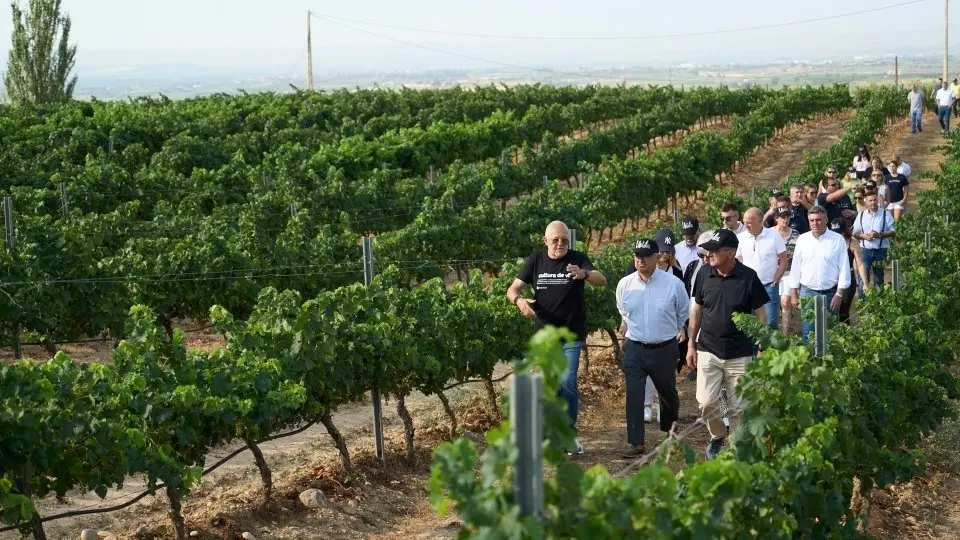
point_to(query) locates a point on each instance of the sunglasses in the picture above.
(729, 218)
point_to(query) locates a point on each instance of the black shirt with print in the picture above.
(558, 295)
(895, 185)
(835, 209)
(720, 297)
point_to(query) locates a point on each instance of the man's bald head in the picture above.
(557, 239)
(753, 220)
(557, 227)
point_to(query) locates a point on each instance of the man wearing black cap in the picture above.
(721, 351)
(666, 260)
(654, 307)
(687, 250)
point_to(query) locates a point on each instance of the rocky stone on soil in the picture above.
(313, 498)
(89, 534)
(194, 534)
(106, 535)
(248, 536)
(142, 531)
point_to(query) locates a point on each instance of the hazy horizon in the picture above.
(259, 34)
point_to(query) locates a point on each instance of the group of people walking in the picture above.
(677, 299)
(945, 104)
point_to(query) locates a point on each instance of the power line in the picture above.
(459, 55)
(332, 18)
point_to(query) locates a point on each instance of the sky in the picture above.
(270, 35)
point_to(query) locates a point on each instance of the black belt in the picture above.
(825, 291)
(654, 345)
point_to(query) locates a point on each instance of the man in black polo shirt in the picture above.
(722, 352)
(557, 275)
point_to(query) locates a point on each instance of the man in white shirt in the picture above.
(874, 227)
(730, 215)
(915, 97)
(654, 307)
(686, 252)
(945, 99)
(764, 251)
(821, 266)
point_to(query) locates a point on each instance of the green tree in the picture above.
(41, 58)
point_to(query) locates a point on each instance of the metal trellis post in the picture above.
(526, 421)
(375, 393)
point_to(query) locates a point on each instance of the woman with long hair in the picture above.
(862, 162)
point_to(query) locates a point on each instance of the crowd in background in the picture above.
(677, 299)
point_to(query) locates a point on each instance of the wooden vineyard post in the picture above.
(375, 393)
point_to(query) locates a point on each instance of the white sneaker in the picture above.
(577, 447)
(726, 421)
(648, 414)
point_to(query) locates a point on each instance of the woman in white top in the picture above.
(877, 179)
(862, 162)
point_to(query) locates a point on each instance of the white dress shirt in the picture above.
(686, 254)
(820, 263)
(655, 311)
(761, 252)
(945, 97)
(879, 221)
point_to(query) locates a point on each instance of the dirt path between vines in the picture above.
(935, 512)
(929, 505)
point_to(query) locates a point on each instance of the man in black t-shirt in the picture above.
(557, 275)
(836, 201)
(799, 206)
(722, 351)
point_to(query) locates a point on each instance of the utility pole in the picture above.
(309, 53)
(896, 71)
(946, 41)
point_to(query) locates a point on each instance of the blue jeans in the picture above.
(873, 259)
(568, 379)
(916, 120)
(808, 292)
(773, 291)
(943, 115)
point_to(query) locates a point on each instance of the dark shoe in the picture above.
(692, 375)
(636, 451)
(714, 447)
